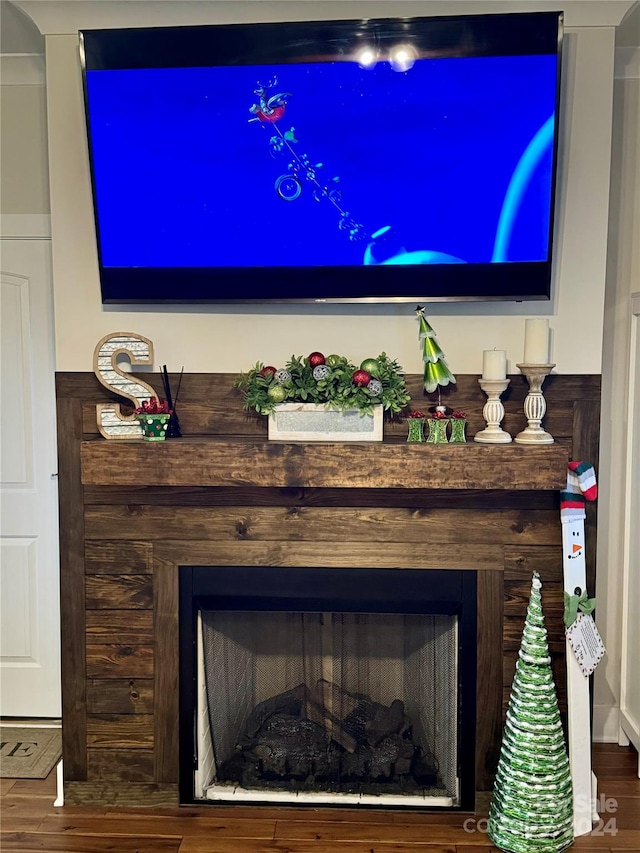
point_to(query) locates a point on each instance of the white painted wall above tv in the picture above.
(231, 338)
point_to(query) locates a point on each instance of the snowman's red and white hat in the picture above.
(581, 486)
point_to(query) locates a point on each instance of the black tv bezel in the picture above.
(520, 33)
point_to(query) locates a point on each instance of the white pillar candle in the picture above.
(494, 364)
(536, 341)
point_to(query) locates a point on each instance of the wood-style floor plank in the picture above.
(622, 788)
(33, 787)
(302, 814)
(31, 824)
(158, 824)
(202, 845)
(464, 848)
(334, 834)
(45, 842)
(6, 785)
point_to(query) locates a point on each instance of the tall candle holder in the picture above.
(535, 405)
(493, 412)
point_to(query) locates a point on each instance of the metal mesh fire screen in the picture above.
(340, 704)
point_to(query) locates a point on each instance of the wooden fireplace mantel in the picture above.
(133, 512)
(391, 464)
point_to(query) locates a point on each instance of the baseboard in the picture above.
(606, 721)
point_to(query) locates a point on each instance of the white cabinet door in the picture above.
(29, 564)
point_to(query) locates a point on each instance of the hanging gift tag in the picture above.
(586, 642)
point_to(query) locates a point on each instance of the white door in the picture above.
(29, 565)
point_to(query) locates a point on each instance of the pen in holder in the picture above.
(535, 405)
(493, 412)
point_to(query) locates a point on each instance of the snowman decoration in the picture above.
(584, 645)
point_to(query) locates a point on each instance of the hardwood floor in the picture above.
(30, 823)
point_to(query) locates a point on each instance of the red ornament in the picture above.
(361, 377)
(267, 370)
(315, 359)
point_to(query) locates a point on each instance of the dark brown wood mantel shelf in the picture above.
(391, 464)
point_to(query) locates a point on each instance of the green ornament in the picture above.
(277, 393)
(532, 806)
(371, 365)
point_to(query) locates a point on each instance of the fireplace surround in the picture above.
(131, 514)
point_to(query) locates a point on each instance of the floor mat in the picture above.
(28, 752)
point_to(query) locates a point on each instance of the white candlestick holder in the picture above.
(493, 412)
(535, 405)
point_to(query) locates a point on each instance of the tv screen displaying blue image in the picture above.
(394, 167)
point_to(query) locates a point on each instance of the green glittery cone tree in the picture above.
(436, 371)
(532, 806)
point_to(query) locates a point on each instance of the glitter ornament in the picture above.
(361, 377)
(315, 359)
(375, 387)
(277, 393)
(321, 371)
(371, 365)
(282, 376)
(532, 806)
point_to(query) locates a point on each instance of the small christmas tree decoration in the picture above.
(436, 371)
(532, 806)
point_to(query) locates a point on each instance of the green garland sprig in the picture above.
(264, 387)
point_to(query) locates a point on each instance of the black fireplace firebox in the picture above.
(317, 686)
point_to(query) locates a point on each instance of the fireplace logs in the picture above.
(326, 738)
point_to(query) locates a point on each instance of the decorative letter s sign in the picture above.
(111, 422)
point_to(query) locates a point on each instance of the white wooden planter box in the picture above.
(315, 422)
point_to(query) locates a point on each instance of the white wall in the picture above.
(623, 278)
(24, 168)
(215, 338)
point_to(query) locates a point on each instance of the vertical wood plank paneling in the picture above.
(72, 592)
(165, 613)
(489, 683)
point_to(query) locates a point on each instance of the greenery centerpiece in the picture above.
(332, 381)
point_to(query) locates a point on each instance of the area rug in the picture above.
(28, 753)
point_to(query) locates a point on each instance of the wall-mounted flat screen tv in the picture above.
(374, 160)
